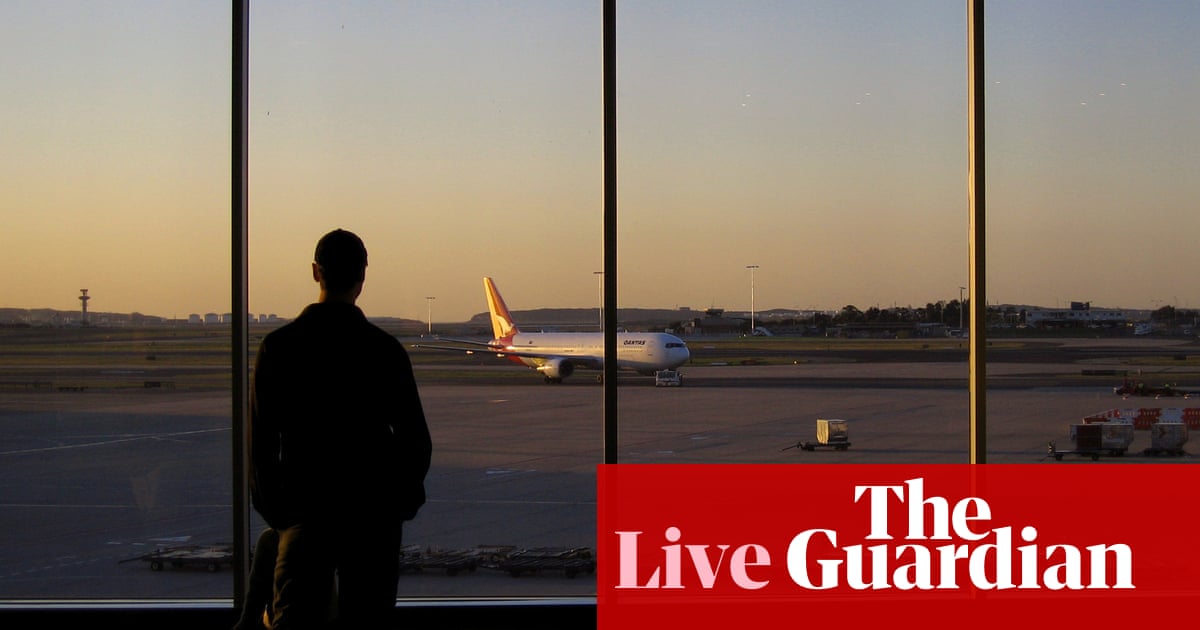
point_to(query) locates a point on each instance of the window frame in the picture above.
(485, 612)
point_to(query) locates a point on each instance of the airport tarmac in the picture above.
(92, 479)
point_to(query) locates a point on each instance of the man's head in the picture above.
(340, 263)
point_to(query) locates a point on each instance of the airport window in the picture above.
(115, 385)
(461, 141)
(1091, 222)
(805, 159)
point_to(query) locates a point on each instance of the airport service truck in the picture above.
(668, 378)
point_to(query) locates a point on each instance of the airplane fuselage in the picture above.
(644, 353)
(556, 355)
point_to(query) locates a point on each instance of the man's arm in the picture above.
(263, 467)
(413, 443)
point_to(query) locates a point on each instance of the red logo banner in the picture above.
(715, 546)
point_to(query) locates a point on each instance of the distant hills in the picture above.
(541, 319)
(531, 320)
(577, 318)
(585, 317)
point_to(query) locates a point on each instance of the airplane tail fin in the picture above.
(502, 322)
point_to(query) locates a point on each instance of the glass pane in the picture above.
(1092, 149)
(460, 140)
(792, 195)
(115, 395)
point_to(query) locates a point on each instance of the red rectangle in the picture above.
(716, 546)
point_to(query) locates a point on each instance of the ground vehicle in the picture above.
(1131, 388)
(668, 378)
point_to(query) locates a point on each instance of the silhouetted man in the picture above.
(339, 450)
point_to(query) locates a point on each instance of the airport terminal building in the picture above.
(1079, 315)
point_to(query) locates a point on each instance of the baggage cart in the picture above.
(1110, 438)
(1058, 455)
(209, 557)
(570, 560)
(1095, 438)
(452, 561)
(833, 434)
(1167, 438)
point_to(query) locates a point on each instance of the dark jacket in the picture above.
(336, 425)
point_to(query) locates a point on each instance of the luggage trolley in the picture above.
(1167, 438)
(833, 434)
(210, 557)
(571, 560)
(1095, 438)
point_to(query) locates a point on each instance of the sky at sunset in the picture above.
(823, 141)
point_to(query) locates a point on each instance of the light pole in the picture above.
(429, 307)
(600, 277)
(752, 268)
(960, 307)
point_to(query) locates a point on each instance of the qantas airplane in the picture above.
(556, 354)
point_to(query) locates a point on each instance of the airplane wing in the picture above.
(585, 361)
(471, 346)
(469, 342)
(447, 348)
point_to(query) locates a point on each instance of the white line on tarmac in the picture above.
(148, 436)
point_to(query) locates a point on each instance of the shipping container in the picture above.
(832, 431)
(1168, 437)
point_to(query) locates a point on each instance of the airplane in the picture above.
(556, 355)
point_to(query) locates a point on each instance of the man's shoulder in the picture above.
(317, 322)
(381, 336)
(285, 331)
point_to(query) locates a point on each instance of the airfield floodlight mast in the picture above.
(429, 315)
(752, 268)
(600, 276)
(960, 306)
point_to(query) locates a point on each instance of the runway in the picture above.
(94, 478)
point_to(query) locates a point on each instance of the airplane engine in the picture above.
(556, 369)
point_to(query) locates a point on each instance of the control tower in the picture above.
(84, 299)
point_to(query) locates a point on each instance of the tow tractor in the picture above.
(668, 378)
